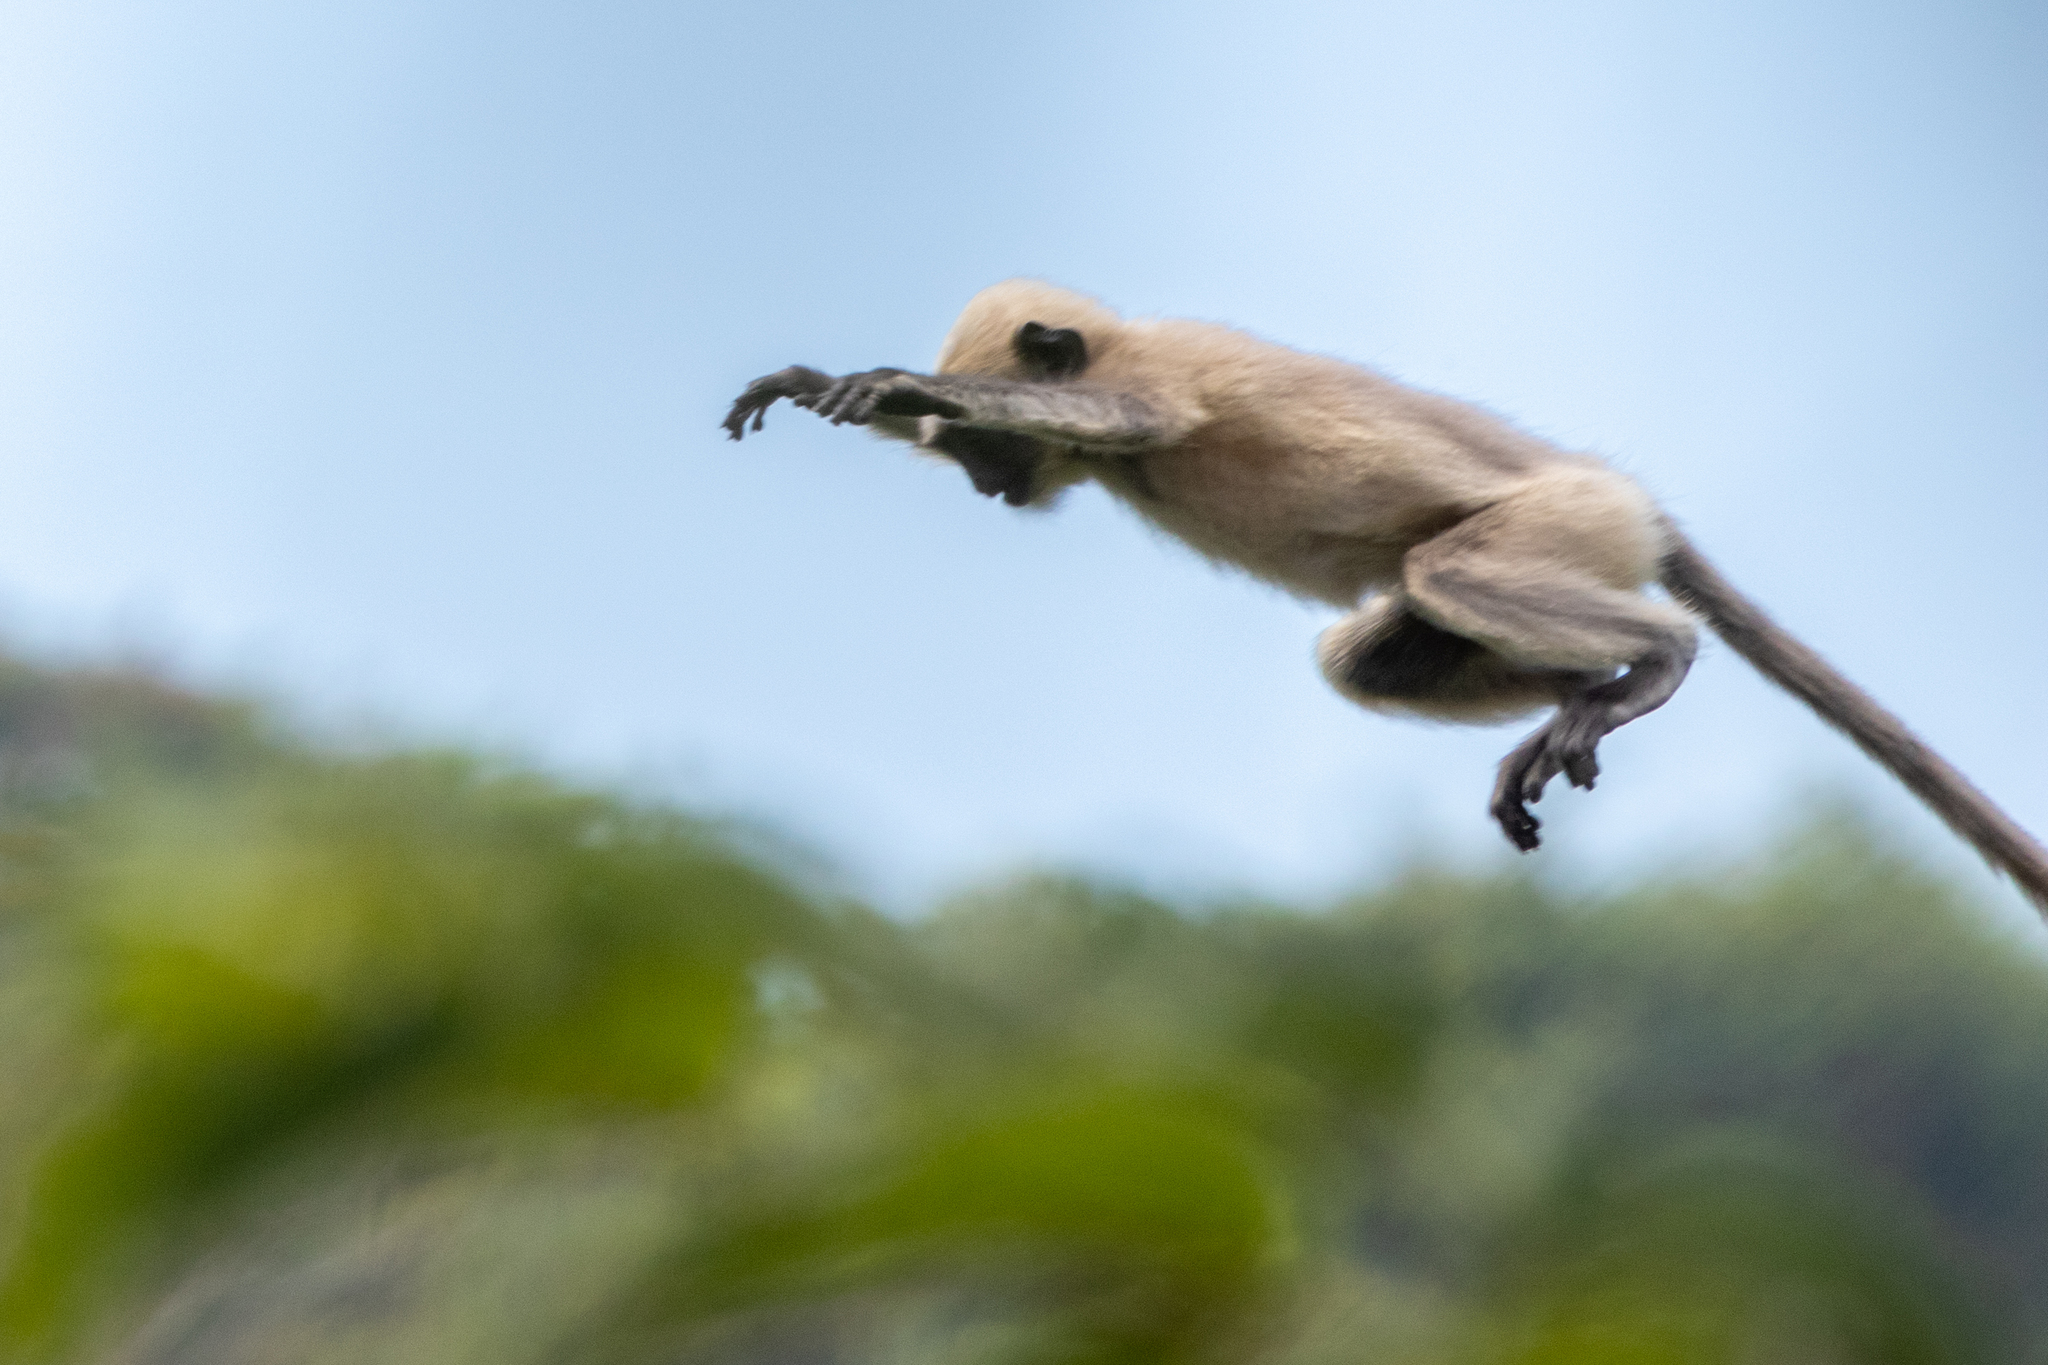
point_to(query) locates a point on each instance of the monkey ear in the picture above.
(1054, 352)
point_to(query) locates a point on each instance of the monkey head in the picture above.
(1029, 330)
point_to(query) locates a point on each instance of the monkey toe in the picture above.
(1537, 773)
(1510, 791)
(1518, 825)
(1574, 761)
(1574, 746)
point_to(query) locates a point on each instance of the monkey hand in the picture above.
(798, 383)
(856, 398)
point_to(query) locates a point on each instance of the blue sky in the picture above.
(371, 354)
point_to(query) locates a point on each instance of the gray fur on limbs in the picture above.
(1062, 413)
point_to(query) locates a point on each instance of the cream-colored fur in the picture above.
(1310, 472)
(1325, 478)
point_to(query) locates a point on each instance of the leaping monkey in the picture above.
(1486, 572)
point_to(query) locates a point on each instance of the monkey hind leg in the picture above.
(1387, 657)
(1518, 591)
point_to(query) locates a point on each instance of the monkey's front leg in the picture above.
(1095, 419)
(1001, 463)
(860, 398)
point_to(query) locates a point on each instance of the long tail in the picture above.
(1791, 665)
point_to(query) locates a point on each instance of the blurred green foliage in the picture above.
(316, 1056)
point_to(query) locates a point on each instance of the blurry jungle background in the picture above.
(491, 872)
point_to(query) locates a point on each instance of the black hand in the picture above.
(798, 383)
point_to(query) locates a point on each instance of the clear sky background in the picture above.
(371, 353)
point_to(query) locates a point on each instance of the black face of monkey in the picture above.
(1050, 352)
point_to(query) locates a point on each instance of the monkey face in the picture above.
(1049, 352)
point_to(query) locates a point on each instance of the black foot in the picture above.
(1567, 744)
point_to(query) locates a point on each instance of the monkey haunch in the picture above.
(1486, 572)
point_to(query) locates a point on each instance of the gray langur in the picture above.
(1486, 573)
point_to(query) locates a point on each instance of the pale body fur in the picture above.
(1321, 476)
(1309, 472)
(1484, 572)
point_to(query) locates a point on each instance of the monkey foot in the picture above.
(1566, 745)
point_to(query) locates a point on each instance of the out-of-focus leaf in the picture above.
(227, 1064)
(1353, 1011)
(1735, 1247)
(410, 1056)
(1141, 1222)
(268, 955)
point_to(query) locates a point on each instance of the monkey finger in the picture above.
(859, 406)
(846, 400)
(828, 402)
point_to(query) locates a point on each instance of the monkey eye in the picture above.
(1050, 352)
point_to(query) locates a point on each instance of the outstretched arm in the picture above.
(1063, 413)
